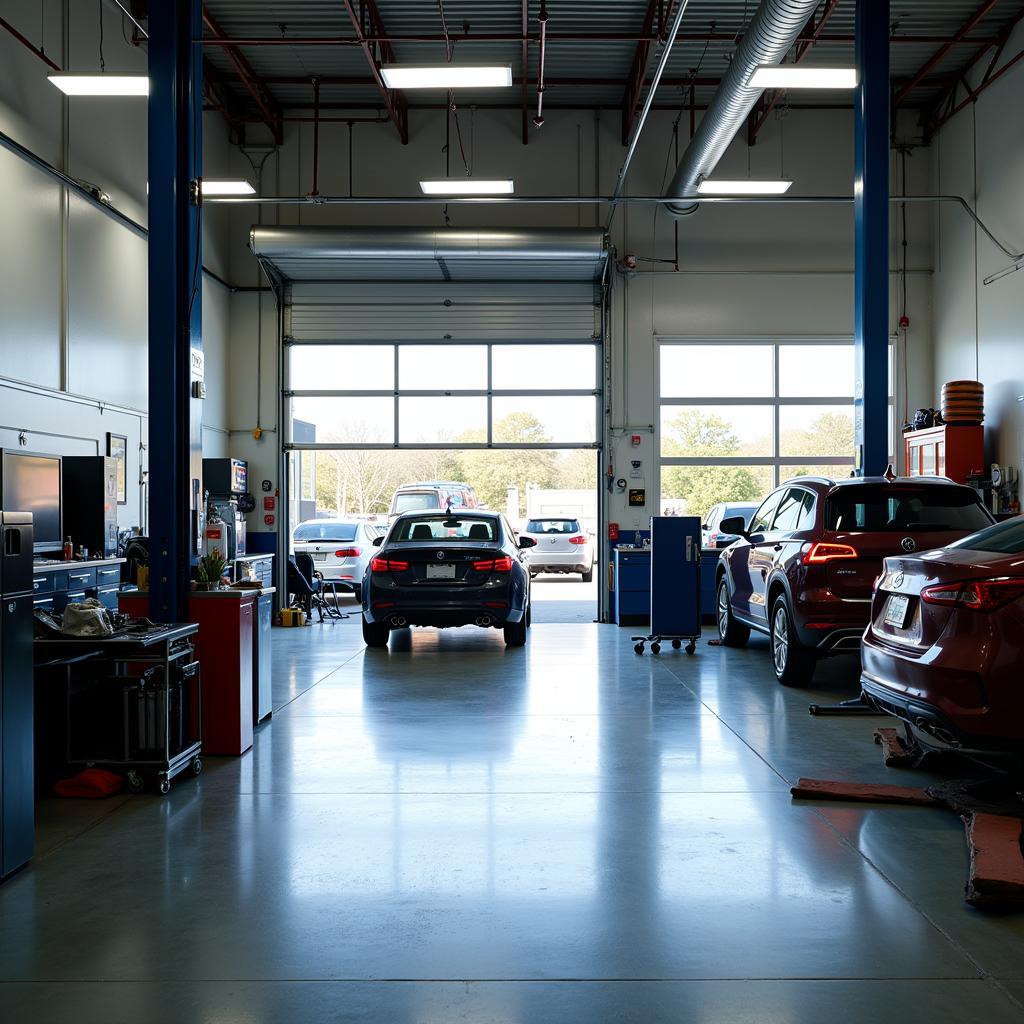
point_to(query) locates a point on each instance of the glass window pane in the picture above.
(809, 370)
(341, 367)
(536, 419)
(442, 420)
(834, 472)
(692, 490)
(737, 430)
(344, 420)
(816, 430)
(701, 371)
(519, 367)
(442, 367)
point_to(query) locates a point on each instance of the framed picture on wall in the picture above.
(117, 448)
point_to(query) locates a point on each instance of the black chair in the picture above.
(310, 589)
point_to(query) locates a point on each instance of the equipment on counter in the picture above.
(91, 518)
(226, 478)
(225, 528)
(32, 483)
(17, 778)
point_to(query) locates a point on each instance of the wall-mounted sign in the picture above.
(268, 504)
(637, 497)
(268, 520)
(267, 485)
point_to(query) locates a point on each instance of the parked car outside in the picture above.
(945, 644)
(711, 535)
(430, 495)
(341, 548)
(562, 546)
(803, 570)
(448, 569)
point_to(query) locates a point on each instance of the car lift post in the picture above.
(175, 302)
(871, 258)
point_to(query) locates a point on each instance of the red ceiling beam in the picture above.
(8, 27)
(948, 106)
(561, 37)
(655, 17)
(266, 103)
(759, 115)
(940, 54)
(369, 19)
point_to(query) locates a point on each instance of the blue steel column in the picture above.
(175, 301)
(871, 244)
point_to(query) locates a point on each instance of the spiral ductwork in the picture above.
(771, 33)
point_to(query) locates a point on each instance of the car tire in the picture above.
(375, 634)
(730, 632)
(515, 632)
(588, 576)
(357, 593)
(793, 662)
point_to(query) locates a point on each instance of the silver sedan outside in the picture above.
(563, 546)
(340, 548)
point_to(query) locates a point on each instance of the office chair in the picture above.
(311, 589)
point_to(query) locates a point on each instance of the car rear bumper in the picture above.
(558, 561)
(440, 609)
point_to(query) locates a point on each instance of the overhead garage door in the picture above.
(411, 339)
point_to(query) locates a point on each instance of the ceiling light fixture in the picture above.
(467, 186)
(446, 76)
(101, 85)
(743, 187)
(227, 187)
(791, 76)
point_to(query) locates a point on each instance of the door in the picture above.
(745, 560)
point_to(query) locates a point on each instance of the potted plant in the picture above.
(202, 580)
(211, 565)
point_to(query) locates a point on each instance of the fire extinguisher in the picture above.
(613, 531)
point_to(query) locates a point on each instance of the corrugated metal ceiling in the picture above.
(579, 72)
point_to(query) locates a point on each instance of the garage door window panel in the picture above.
(544, 419)
(342, 367)
(534, 367)
(442, 420)
(348, 420)
(442, 368)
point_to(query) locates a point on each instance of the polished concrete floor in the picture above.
(452, 831)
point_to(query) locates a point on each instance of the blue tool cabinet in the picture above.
(631, 598)
(675, 576)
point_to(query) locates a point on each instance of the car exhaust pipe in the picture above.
(484, 620)
(398, 621)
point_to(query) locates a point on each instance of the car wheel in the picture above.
(515, 632)
(730, 632)
(375, 634)
(793, 663)
(588, 576)
(529, 615)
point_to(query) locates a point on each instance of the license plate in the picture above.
(319, 556)
(896, 610)
(440, 572)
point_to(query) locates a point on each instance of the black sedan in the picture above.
(448, 569)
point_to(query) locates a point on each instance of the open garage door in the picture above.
(452, 343)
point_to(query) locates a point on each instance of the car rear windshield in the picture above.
(553, 526)
(1005, 538)
(892, 509)
(446, 528)
(325, 531)
(416, 501)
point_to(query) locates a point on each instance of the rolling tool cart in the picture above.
(675, 584)
(132, 701)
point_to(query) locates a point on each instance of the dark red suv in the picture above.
(804, 568)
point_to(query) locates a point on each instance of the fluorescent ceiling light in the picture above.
(792, 76)
(446, 76)
(227, 187)
(467, 186)
(102, 85)
(743, 187)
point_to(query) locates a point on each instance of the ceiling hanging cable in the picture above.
(103, 63)
(542, 20)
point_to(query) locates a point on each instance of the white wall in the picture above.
(978, 327)
(743, 270)
(73, 331)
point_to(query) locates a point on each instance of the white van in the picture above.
(430, 495)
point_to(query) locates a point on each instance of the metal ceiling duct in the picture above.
(314, 252)
(771, 33)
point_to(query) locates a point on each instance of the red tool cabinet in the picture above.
(950, 450)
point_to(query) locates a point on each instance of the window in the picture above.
(887, 509)
(761, 523)
(806, 520)
(324, 529)
(739, 417)
(553, 526)
(790, 507)
(446, 528)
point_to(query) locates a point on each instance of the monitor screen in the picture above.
(32, 484)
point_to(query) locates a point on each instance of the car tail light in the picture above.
(712, 539)
(347, 553)
(577, 540)
(494, 565)
(821, 552)
(387, 565)
(978, 595)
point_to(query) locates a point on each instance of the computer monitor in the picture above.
(31, 483)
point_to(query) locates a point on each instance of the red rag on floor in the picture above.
(93, 783)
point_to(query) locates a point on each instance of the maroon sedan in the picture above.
(944, 647)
